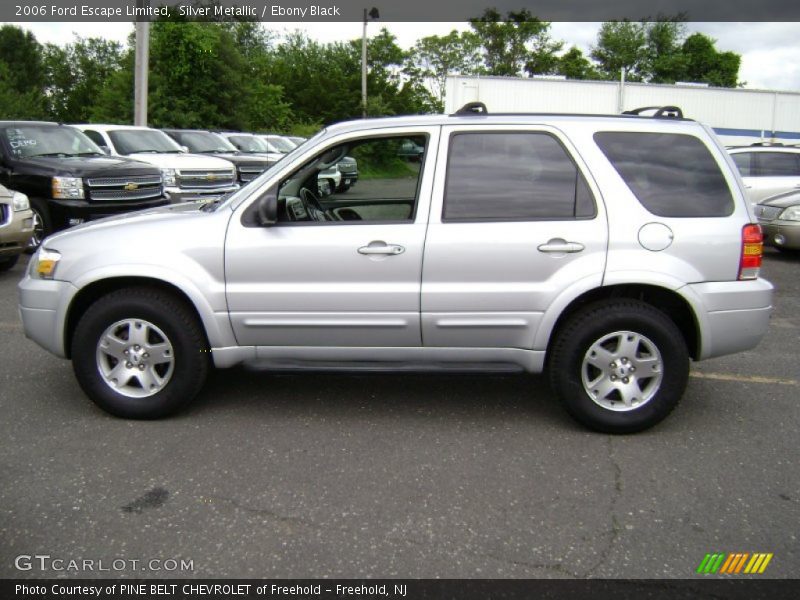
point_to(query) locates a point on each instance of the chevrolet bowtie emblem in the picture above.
(210, 177)
(130, 186)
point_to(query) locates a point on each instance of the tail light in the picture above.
(752, 251)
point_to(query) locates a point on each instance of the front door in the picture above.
(341, 270)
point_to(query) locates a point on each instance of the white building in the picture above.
(738, 116)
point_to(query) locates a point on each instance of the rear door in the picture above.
(514, 221)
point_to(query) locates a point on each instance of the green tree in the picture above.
(435, 57)
(77, 74)
(574, 65)
(23, 75)
(519, 44)
(707, 65)
(665, 61)
(622, 45)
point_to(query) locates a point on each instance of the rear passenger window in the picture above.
(777, 164)
(513, 176)
(672, 175)
(742, 160)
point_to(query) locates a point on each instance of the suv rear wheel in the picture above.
(619, 366)
(140, 353)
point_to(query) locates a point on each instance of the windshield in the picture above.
(204, 142)
(248, 143)
(129, 141)
(283, 145)
(245, 192)
(48, 140)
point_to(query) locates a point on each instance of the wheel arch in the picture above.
(675, 306)
(95, 290)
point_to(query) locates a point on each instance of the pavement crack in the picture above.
(614, 529)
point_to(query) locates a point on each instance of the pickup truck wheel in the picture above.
(41, 225)
(7, 263)
(619, 366)
(140, 353)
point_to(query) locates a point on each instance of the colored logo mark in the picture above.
(735, 563)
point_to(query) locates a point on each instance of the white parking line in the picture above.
(743, 378)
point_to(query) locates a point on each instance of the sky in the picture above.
(770, 51)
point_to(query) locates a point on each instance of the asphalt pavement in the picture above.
(451, 476)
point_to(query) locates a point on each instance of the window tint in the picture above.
(672, 175)
(363, 180)
(777, 164)
(513, 176)
(742, 160)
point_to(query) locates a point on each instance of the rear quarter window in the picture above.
(672, 175)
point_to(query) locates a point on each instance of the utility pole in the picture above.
(373, 14)
(141, 67)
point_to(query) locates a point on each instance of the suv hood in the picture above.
(83, 166)
(183, 161)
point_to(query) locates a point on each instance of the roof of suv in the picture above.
(24, 123)
(764, 148)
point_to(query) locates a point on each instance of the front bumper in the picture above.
(43, 305)
(66, 213)
(178, 195)
(782, 234)
(733, 316)
(15, 234)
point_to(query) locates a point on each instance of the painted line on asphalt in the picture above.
(743, 378)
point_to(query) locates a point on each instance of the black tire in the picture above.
(172, 318)
(7, 263)
(42, 224)
(614, 320)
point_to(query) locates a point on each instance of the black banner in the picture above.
(401, 589)
(391, 10)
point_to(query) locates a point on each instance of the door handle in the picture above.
(381, 248)
(561, 246)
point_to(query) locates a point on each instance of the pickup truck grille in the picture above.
(205, 179)
(136, 187)
(250, 172)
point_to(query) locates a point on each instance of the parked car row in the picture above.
(77, 173)
(771, 175)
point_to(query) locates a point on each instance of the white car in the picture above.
(186, 176)
(767, 169)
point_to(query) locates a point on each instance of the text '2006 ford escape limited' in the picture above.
(607, 251)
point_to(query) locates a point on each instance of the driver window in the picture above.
(368, 180)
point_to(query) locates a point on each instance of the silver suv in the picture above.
(606, 251)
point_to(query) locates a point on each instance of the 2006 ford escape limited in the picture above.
(607, 251)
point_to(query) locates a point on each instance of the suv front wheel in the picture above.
(140, 353)
(619, 366)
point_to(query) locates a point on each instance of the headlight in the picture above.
(69, 188)
(790, 214)
(170, 177)
(45, 264)
(20, 202)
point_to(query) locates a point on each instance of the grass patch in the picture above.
(396, 168)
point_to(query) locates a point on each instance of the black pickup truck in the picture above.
(68, 179)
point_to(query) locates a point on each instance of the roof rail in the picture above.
(767, 144)
(472, 108)
(662, 112)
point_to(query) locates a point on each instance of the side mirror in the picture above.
(105, 149)
(185, 148)
(267, 213)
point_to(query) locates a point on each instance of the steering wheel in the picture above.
(313, 206)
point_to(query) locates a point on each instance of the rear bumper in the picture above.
(733, 315)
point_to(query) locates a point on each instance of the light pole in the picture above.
(373, 14)
(141, 67)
